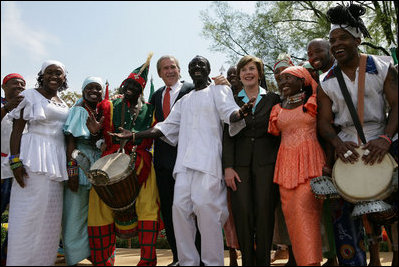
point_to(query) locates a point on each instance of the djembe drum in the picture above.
(364, 185)
(115, 181)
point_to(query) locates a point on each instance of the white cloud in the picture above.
(15, 33)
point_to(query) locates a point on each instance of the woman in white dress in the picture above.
(38, 162)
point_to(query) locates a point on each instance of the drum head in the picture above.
(360, 182)
(115, 165)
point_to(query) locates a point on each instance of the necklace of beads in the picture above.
(295, 98)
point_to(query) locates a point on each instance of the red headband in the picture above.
(12, 76)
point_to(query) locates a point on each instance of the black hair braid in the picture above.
(349, 15)
(308, 92)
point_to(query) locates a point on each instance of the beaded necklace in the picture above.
(296, 98)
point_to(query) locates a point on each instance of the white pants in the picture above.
(203, 196)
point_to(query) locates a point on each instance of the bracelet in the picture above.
(72, 162)
(72, 171)
(15, 165)
(11, 157)
(14, 160)
(386, 137)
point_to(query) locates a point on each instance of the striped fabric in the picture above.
(148, 233)
(102, 244)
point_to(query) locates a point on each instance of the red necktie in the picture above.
(166, 103)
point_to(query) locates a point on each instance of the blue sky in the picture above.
(108, 39)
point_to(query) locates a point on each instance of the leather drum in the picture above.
(360, 182)
(115, 182)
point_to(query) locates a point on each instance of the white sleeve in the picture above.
(225, 105)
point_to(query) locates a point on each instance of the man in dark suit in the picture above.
(164, 154)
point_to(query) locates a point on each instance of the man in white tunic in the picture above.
(196, 123)
(381, 81)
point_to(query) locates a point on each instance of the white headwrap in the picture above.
(92, 79)
(355, 32)
(52, 62)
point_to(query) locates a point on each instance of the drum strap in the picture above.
(355, 116)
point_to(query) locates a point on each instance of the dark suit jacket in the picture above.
(165, 154)
(253, 143)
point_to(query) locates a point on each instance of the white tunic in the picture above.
(374, 105)
(196, 123)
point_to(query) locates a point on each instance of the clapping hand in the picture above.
(247, 107)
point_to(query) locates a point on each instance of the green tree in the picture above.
(70, 97)
(287, 26)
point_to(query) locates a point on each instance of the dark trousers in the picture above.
(253, 210)
(5, 200)
(166, 189)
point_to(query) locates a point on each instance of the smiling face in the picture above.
(92, 93)
(319, 55)
(249, 75)
(13, 87)
(169, 71)
(289, 84)
(53, 77)
(199, 69)
(343, 45)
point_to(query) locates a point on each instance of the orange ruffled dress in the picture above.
(299, 159)
(300, 156)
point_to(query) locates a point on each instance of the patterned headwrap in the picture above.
(301, 72)
(52, 62)
(12, 76)
(352, 30)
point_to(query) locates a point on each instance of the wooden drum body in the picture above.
(115, 181)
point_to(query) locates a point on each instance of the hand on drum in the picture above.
(124, 134)
(377, 149)
(346, 152)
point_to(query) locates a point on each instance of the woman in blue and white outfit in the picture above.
(81, 129)
(38, 162)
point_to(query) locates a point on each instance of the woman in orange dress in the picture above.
(300, 158)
